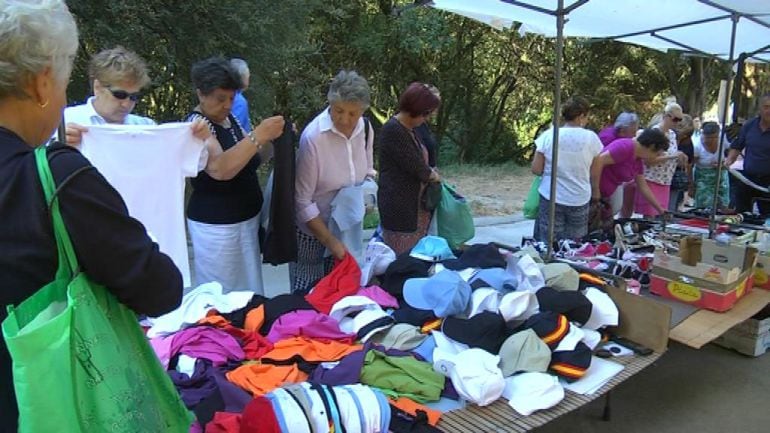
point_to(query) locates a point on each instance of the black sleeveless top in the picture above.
(225, 201)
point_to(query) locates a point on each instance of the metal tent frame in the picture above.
(655, 37)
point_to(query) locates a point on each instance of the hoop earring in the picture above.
(43, 105)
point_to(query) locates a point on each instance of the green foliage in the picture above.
(497, 87)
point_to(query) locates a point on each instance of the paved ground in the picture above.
(711, 390)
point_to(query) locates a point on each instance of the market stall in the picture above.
(448, 333)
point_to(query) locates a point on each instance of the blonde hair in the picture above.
(34, 36)
(117, 65)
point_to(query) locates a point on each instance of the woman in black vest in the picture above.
(404, 170)
(226, 196)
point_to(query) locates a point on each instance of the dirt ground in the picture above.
(491, 191)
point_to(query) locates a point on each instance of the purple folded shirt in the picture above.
(307, 323)
(199, 342)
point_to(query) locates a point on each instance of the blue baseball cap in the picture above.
(445, 293)
(496, 278)
(432, 249)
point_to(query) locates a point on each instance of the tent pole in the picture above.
(556, 110)
(723, 134)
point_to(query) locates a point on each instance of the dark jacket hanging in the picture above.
(280, 244)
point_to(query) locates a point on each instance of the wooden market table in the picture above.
(499, 417)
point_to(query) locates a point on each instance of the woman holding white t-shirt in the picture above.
(577, 149)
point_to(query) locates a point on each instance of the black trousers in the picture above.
(745, 196)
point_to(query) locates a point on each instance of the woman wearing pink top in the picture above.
(658, 171)
(621, 162)
(335, 151)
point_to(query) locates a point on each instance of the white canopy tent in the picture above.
(717, 28)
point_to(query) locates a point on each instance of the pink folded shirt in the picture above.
(307, 323)
(378, 295)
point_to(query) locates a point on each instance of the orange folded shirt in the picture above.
(310, 350)
(254, 319)
(259, 379)
(410, 406)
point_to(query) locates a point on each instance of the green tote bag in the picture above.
(454, 218)
(532, 203)
(80, 360)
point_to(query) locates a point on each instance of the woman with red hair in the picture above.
(404, 170)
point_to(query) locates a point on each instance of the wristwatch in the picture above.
(253, 139)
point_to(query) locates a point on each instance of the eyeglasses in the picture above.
(122, 95)
(675, 119)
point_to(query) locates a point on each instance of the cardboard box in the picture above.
(704, 326)
(751, 345)
(762, 272)
(751, 337)
(722, 276)
(700, 293)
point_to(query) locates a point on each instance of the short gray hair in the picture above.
(626, 119)
(241, 66)
(348, 86)
(34, 35)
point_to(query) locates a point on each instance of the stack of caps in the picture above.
(308, 408)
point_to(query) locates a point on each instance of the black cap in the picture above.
(477, 256)
(402, 269)
(571, 364)
(574, 305)
(549, 326)
(485, 330)
(413, 316)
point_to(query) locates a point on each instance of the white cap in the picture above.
(369, 403)
(591, 338)
(362, 319)
(351, 304)
(518, 305)
(484, 299)
(348, 410)
(475, 375)
(293, 414)
(377, 258)
(604, 312)
(528, 392)
(318, 416)
(526, 272)
(574, 336)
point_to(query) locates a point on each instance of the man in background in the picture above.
(754, 142)
(240, 105)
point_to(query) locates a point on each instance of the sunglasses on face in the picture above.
(122, 95)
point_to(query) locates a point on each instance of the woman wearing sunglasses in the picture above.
(658, 171)
(117, 77)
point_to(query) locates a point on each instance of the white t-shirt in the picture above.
(705, 158)
(577, 149)
(147, 165)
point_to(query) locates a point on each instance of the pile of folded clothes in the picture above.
(389, 349)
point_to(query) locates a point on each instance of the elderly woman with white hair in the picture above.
(626, 126)
(38, 42)
(335, 151)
